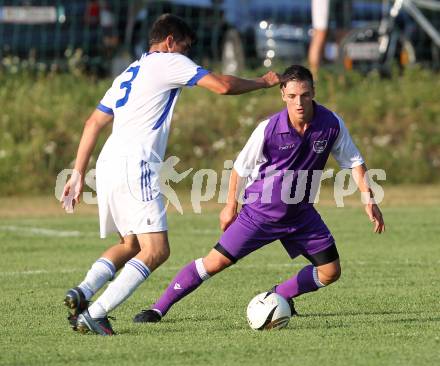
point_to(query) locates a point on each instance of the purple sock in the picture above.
(185, 282)
(304, 281)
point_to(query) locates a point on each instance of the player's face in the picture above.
(298, 96)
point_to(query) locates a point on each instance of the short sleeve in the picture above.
(251, 156)
(344, 150)
(320, 14)
(107, 103)
(183, 72)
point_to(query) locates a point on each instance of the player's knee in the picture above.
(156, 256)
(335, 274)
(164, 254)
(330, 274)
(167, 254)
(134, 250)
(215, 265)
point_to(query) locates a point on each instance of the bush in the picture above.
(395, 122)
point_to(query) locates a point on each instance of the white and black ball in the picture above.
(268, 310)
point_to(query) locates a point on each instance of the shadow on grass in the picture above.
(414, 320)
(357, 313)
(187, 324)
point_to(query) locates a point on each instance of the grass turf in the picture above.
(383, 311)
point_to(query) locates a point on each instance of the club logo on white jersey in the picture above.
(177, 286)
(319, 146)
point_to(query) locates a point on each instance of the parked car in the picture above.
(104, 35)
(53, 31)
(235, 33)
(239, 33)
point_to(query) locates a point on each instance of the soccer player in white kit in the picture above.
(140, 104)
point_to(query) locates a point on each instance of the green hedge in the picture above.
(395, 122)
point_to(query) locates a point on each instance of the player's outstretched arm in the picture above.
(92, 127)
(371, 208)
(232, 85)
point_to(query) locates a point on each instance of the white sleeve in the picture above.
(117, 90)
(344, 150)
(182, 71)
(251, 157)
(320, 14)
(107, 103)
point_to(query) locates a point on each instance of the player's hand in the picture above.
(375, 216)
(271, 78)
(227, 217)
(72, 191)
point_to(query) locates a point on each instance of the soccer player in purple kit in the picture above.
(278, 204)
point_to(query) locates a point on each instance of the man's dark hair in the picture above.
(297, 73)
(169, 24)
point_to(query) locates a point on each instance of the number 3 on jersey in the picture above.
(127, 85)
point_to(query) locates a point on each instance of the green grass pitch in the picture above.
(385, 310)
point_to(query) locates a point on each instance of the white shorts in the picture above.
(320, 14)
(123, 204)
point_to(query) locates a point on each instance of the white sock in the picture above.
(102, 270)
(132, 275)
(201, 270)
(316, 278)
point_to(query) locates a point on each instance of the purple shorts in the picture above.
(307, 237)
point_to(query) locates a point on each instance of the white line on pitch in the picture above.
(39, 231)
(36, 272)
(163, 269)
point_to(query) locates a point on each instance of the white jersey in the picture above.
(142, 100)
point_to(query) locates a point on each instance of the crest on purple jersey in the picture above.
(319, 146)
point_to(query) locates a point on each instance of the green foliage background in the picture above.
(395, 122)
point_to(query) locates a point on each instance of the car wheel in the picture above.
(232, 53)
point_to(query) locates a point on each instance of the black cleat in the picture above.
(289, 301)
(292, 307)
(72, 319)
(147, 316)
(99, 326)
(77, 303)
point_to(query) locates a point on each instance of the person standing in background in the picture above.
(320, 16)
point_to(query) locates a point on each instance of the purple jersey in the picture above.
(281, 165)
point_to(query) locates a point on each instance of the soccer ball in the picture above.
(268, 310)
